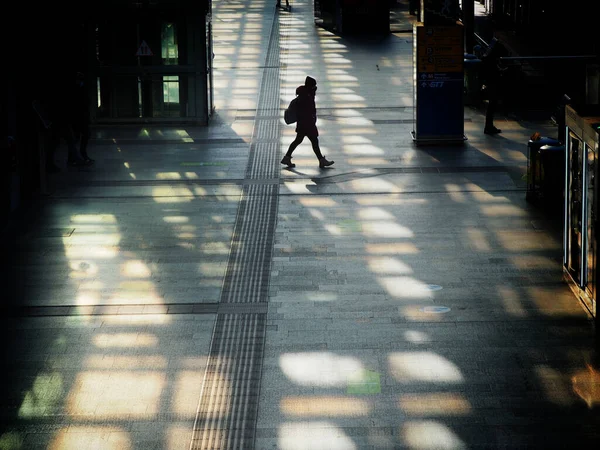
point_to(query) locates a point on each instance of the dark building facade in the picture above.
(144, 61)
(557, 27)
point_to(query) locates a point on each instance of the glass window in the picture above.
(171, 89)
(169, 49)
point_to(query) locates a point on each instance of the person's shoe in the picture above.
(324, 163)
(76, 163)
(287, 160)
(492, 130)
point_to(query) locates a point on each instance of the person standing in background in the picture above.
(80, 116)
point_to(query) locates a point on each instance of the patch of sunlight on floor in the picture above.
(125, 340)
(417, 337)
(170, 194)
(483, 196)
(116, 395)
(430, 434)
(322, 296)
(534, 262)
(11, 441)
(93, 218)
(186, 392)
(556, 385)
(454, 193)
(214, 248)
(194, 362)
(586, 384)
(168, 176)
(405, 287)
(314, 436)
(552, 303)
(325, 406)
(403, 248)
(375, 213)
(298, 187)
(478, 240)
(83, 269)
(139, 319)
(44, 396)
(178, 437)
(176, 219)
(415, 313)
(323, 369)
(324, 202)
(435, 404)
(360, 149)
(320, 215)
(386, 229)
(92, 251)
(135, 269)
(374, 184)
(212, 269)
(511, 301)
(392, 199)
(352, 138)
(107, 362)
(90, 437)
(408, 367)
(503, 211)
(388, 265)
(366, 161)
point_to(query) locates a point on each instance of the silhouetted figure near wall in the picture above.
(307, 123)
(67, 116)
(491, 73)
(414, 6)
(80, 116)
(61, 129)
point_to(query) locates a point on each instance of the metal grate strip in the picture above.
(246, 279)
(229, 403)
(228, 406)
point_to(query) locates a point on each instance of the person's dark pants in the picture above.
(414, 6)
(491, 107)
(65, 132)
(82, 133)
(314, 140)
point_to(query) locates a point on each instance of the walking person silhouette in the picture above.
(306, 125)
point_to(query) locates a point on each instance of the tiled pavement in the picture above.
(187, 292)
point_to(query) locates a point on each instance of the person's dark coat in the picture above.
(79, 113)
(307, 112)
(491, 71)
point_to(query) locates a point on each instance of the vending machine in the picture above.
(580, 246)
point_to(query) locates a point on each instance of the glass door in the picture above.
(148, 67)
(209, 64)
(590, 221)
(574, 210)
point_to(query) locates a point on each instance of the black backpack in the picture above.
(291, 113)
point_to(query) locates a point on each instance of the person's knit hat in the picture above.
(310, 82)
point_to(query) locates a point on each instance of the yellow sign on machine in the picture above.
(439, 49)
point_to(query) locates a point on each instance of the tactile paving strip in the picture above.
(228, 407)
(227, 413)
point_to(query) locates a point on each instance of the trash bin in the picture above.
(472, 83)
(553, 174)
(535, 169)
